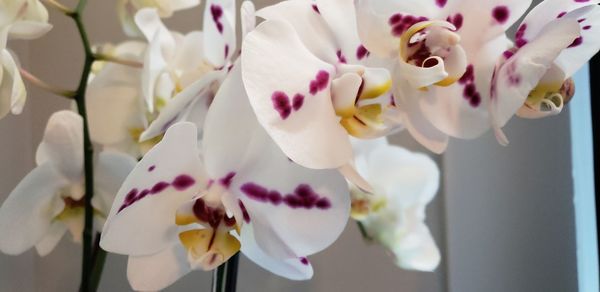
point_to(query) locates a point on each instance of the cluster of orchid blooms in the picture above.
(269, 149)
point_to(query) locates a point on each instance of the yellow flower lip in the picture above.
(209, 248)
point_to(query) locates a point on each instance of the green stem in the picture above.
(363, 232)
(225, 276)
(98, 258)
(88, 150)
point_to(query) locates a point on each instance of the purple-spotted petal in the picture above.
(142, 218)
(219, 31)
(520, 74)
(278, 70)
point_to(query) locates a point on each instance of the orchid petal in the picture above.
(461, 109)
(55, 233)
(520, 74)
(141, 221)
(588, 43)
(62, 145)
(293, 102)
(219, 31)
(111, 169)
(178, 108)
(11, 83)
(308, 24)
(26, 215)
(114, 100)
(341, 17)
(28, 30)
(247, 17)
(158, 271)
(293, 269)
(283, 227)
(189, 54)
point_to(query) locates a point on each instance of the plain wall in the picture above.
(503, 218)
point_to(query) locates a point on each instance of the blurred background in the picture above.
(504, 218)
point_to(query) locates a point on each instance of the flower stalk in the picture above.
(46, 86)
(225, 276)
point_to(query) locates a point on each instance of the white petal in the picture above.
(520, 74)
(247, 17)
(27, 213)
(417, 250)
(189, 53)
(340, 15)
(12, 85)
(111, 169)
(29, 30)
(289, 90)
(581, 51)
(219, 31)
(177, 5)
(142, 218)
(308, 24)
(158, 271)
(178, 108)
(55, 233)
(62, 145)
(293, 269)
(241, 146)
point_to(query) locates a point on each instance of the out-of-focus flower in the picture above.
(12, 88)
(21, 19)
(533, 79)
(183, 209)
(309, 82)
(394, 215)
(116, 111)
(126, 10)
(48, 202)
(24, 19)
(444, 54)
(188, 68)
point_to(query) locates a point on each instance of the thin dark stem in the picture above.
(88, 150)
(98, 259)
(231, 273)
(218, 277)
(363, 232)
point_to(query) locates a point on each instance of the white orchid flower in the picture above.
(116, 112)
(24, 19)
(444, 54)
(126, 10)
(394, 215)
(218, 39)
(307, 78)
(12, 88)
(48, 202)
(533, 79)
(178, 209)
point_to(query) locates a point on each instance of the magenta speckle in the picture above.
(400, 23)
(130, 197)
(587, 27)
(470, 92)
(159, 187)
(226, 51)
(577, 42)
(316, 8)
(151, 168)
(297, 101)
(508, 54)
(520, 40)
(304, 261)
(341, 57)
(281, 103)
(320, 82)
(441, 3)
(361, 52)
(244, 211)
(183, 182)
(226, 181)
(302, 197)
(501, 14)
(217, 12)
(560, 15)
(457, 20)
(581, 20)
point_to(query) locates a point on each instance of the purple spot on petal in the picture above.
(341, 57)
(297, 101)
(159, 187)
(226, 51)
(255, 192)
(226, 181)
(304, 261)
(316, 8)
(131, 195)
(587, 27)
(320, 82)
(361, 52)
(151, 168)
(217, 12)
(441, 3)
(323, 204)
(302, 197)
(281, 103)
(560, 15)
(577, 42)
(183, 182)
(501, 14)
(244, 211)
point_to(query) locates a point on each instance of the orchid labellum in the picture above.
(444, 54)
(183, 208)
(533, 78)
(404, 183)
(48, 202)
(309, 83)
